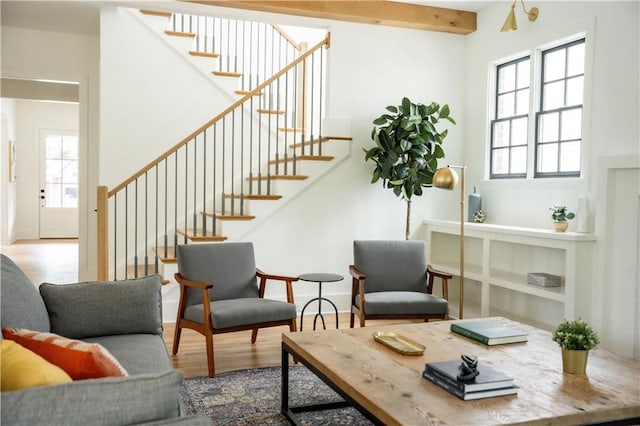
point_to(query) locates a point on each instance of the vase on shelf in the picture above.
(560, 226)
(574, 361)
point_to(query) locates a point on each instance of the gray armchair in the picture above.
(391, 280)
(219, 293)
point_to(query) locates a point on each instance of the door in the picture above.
(58, 184)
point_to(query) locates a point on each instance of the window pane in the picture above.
(501, 134)
(519, 159)
(522, 102)
(548, 129)
(70, 195)
(507, 78)
(571, 124)
(506, 105)
(70, 171)
(575, 88)
(500, 162)
(554, 65)
(70, 147)
(519, 132)
(575, 60)
(553, 95)
(548, 158)
(570, 157)
(53, 146)
(523, 74)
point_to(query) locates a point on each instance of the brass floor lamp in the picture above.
(447, 178)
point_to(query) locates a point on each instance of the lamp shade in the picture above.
(510, 23)
(445, 178)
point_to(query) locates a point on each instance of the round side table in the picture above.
(319, 278)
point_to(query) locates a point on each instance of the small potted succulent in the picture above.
(576, 338)
(559, 216)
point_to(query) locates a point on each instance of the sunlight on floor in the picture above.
(54, 261)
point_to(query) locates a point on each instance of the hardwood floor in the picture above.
(56, 261)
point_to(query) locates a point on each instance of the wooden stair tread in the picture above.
(270, 111)
(227, 74)
(319, 140)
(197, 236)
(169, 258)
(290, 129)
(227, 216)
(179, 34)
(254, 196)
(156, 13)
(303, 158)
(203, 54)
(280, 177)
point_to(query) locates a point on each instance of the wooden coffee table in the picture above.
(388, 387)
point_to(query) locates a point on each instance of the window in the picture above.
(556, 137)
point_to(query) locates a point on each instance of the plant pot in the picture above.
(560, 226)
(574, 362)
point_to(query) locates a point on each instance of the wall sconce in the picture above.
(510, 23)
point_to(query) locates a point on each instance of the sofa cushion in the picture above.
(107, 401)
(22, 368)
(20, 305)
(105, 308)
(79, 359)
(137, 353)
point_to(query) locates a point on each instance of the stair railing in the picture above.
(252, 51)
(208, 176)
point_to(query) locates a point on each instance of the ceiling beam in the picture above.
(381, 12)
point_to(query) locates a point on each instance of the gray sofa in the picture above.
(123, 316)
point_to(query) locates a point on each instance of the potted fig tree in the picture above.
(408, 146)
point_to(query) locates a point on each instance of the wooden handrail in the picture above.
(286, 36)
(102, 208)
(219, 116)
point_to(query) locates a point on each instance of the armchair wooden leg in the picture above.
(210, 361)
(254, 335)
(176, 337)
(351, 319)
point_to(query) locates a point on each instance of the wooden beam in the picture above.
(380, 12)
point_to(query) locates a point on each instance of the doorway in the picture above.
(58, 184)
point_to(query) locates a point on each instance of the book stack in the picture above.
(489, 332)
(488, 383)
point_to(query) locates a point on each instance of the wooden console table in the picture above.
(388, 387)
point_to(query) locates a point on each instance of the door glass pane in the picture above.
(61, 171)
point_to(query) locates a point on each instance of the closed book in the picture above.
(467, 396)
(489, 332)
(487, 378)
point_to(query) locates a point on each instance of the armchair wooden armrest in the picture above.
(194, 284)
(263, 281)
(444, 277)
(356, 274)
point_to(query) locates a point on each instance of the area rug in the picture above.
(252, 397)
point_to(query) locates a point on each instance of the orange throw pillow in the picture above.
(79, 359)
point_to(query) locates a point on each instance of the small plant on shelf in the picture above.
(560, 214)
(576, 335)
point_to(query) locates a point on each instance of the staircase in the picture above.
(237, 169)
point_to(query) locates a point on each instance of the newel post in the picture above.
(103, 233)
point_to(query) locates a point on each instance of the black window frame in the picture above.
(509, 119)
(541, 112)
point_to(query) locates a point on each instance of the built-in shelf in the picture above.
(497, 260)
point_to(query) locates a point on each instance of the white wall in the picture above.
(33, 54)
(7, 189)
(31, 118)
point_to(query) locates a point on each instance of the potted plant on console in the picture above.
(560, 215)
(575, 338)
